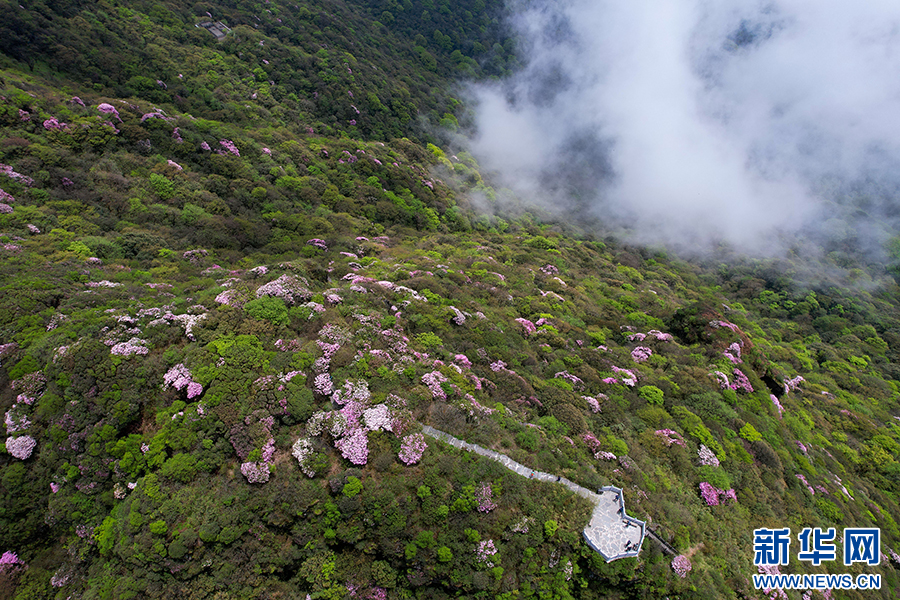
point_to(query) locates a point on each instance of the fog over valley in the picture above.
(691, 122)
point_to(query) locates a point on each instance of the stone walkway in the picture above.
(611, 532)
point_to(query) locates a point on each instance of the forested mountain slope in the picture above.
(239, 275)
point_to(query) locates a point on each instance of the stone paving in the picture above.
(611, 532)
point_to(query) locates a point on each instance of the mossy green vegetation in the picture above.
(223, 324)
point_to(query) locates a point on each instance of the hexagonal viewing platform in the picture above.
(611, 532)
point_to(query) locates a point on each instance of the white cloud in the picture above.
(696, 121)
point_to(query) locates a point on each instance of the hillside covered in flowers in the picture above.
(239, 276)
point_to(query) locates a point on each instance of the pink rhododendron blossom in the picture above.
(734, 353)
(255, 472)
(709, 493)
(641, 354)
(802, 478)
(459, 318)
(725, 324)
(576, 381)
(287, 287)
(130, 348)
(596, 447)
(194, 389)
(195, 256)
(154, 115)
(412, 448)
(793, 384)
(707, 457)
(32, 384)
(229, 147)
(434, 380)
(713, 494)
(354, 447)
(302, 450)
(230, 298)
(378, 418)
(593, 402)
(109, 109)
(670, 437)
(723, 379)
(484, 551)
(681, 564)
(498, 366)
(10, 561)
(463, 361)
(16, 176)
(484, 498)
(527, 325)
(20, 447)
(179, 377)
(741, 382)
(777, 405)
(16, 422)
(322, 384)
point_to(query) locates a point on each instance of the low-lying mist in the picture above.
(691, 123)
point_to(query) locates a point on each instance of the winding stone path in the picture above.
(611, 532)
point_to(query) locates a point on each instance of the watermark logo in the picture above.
(862, 545)
(770, 546)
(771, 549)
(813, 546)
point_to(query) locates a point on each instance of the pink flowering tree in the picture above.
(777, 404)
(641, 354)
(714, 496)
(484, 498)
(793, 384)
(412, 448)
(741, 382)
(681, 564)
(722, 378)
(527, 325)
(709, 493)
(21, 447)
(485, 551)
(354, 447)
(228, 147)
(303, 451)
(180, 378)
(255, 472)
(10, 561)
(669, 437)
(289, 288)
(594, 403)
(707, 457)
(109, 109)
(317, 243)
(434, 380)
(575, 381)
